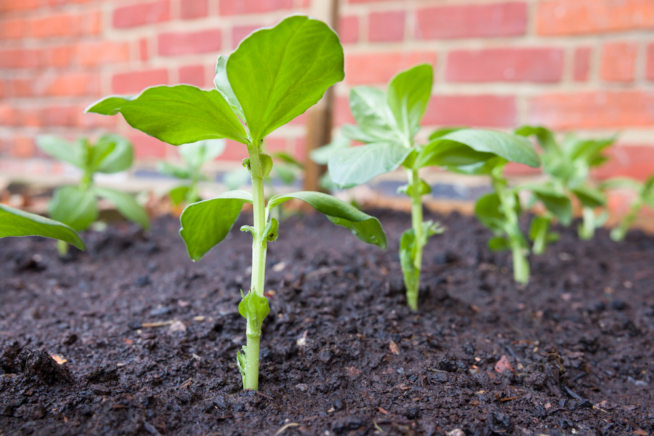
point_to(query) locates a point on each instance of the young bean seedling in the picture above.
(195, 156)
(14, 222)
(387, 123)
(644, 197)
(272, 77)
(77, 206)
(568, 166)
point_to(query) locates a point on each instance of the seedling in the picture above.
(568, 166)
(644, 197)
(77, 206)
(14, 222)
(194, 156)
(321, 157)
(284, 168)
(273, 76)
(387, 124)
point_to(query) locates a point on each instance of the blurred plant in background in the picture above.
(644, 197)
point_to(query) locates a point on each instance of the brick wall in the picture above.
(584, 65)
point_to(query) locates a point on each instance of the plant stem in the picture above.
(62, 248)
(619, 233)
(412, 288)
(259, 247)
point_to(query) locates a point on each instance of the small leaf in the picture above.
(271, 230)
(172, 170)
(545, 137)
(126, 205)
(539, 232)
(589, 197)
(278, 73)
(201, 152)
(62, 150)
(370, 109)
(356, 165)
(14, 222)
(255, 309)
(622, 183)
(498, 243)
(321, 155)
(555, 202)
(120, 157)
(408, 95)
(287, 158)
(363, 226)
(206, 223)
(177, 115)
(74, 207)
(178, 195)
(266, 163)
(424, 189)
(487, 210)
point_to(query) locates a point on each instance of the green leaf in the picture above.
(118, 157)
(278, 73)
(538, 232)
(236, 178)
(555, 202)
(74, 207)
(622, 183)
(487, 210)
(223, 86)
(363, 226)
(451, 154)
(498, 243)
(545, 137)
(206, 223)
(255, 309)
(272, 230)
(588, 149)
(178, 194)
(126, 205)
(65, 151)
(370, 109)
(510, 147)
(14, 222)
(589, 197)
(287, 158)
(356, 165)
(266, 163)
(424, 189)
(408, 95)
(177, 115)
(321, 155)
(444, 131)
(410, 272)
(199, 153)
(285, 173)
(241, 362)
(173, 170)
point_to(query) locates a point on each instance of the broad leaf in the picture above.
(223, 86)
(177, 115)
(126, 205)
(74, 207)
(206, 223)
(538, 232)
(498, 243)
(280, 72)
(287, 158)
(356, 165)
(365, 227)
(487, 210)
(173, 170)
(321, 155)
(622, 183)
(589, 197)
(545, 137)
(60, 149)
(555, 202)
(408, 95)
(370, 109)
(451, 154)
(178, 194)
(119, 158)
(199, 153)
(510, 147)
(444, 131)
(14, 222)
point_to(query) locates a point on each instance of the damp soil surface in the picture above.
(149, 339)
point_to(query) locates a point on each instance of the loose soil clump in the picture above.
(149, 338)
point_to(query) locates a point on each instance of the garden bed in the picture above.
(150, 338)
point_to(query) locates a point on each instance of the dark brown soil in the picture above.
(572, 353)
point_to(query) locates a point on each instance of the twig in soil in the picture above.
(382, 410)
(186, 384)
(157, 324)
(264, 395)
(572, 394)
(283, 429)
(150, 428)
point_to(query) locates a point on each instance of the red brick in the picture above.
(378, 68)
(348, 29)
(8, 115)
(276, 144)
(649, 72)
(236, 7)
(240, 32)
(471, 110)
(60, 25)
(21, 87)
(386, 26)
(101, 53)
(234, 151)
(2, 90)
(342, 114)
(619, 61)
(193, 75)
(299, 120)
(15, 29)
(611, 109)
(472, 21)
(631, 160)
(29, 118)
(205, 41)
(147, 146)
(20, 58)
(582, 64)
(135, 82)
(18, 5)
(22, 146)
(505, 65)
(300, 152)
(194, 9)
(141, 14)
(71, 84)
(576, 17)
(366, 1)
(144, 52)
(65, 116)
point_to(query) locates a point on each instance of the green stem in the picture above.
(619, 233)
(259, 247)
(62, 248)
(413, 286)
(587, 229)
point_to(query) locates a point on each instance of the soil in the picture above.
(150, 338)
